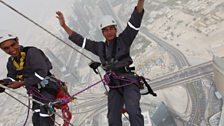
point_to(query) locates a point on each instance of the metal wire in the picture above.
(41, 27)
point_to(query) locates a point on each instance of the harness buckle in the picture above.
(126, 69)
(43, 83)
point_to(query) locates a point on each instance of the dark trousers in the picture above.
(41, 117)
(128, 96)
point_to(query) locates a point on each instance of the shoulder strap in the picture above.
(114, 51)
(25, 49)
(20, 65)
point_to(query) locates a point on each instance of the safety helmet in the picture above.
(5, 35)
(107, 20)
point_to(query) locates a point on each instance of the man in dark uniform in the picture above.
(114, 55)
(29, 67)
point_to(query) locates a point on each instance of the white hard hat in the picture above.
(5, 35)
(107, 20)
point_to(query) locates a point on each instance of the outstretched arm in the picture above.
(140, 5)
(16, 84)
(61, 19)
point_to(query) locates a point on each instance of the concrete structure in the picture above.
(162, 116)
(214, 120)
(218, 64)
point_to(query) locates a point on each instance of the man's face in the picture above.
(109, 32)
(11, 47)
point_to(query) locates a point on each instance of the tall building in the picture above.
(163, 117)
(218, 64)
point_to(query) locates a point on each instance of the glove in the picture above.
(2, 90)
(154, 94)
(4, 82)
(94, 66)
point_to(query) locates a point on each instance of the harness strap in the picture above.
(19, 66)
(113, 52)
(150, 91)
(141, 82)
(67, 116)
(113, 59)
(125, 69)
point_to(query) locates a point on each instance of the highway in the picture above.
(184, 76)
(187, 77)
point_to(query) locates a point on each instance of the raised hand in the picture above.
(61, 18)
(140, 5)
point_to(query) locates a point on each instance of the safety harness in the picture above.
(62, 92)
(111, 71)
(108, 63)
(19, 66)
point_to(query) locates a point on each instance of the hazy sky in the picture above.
(41, 11)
